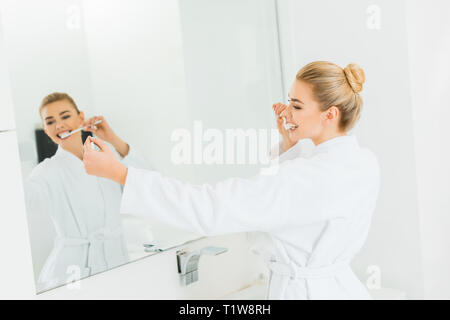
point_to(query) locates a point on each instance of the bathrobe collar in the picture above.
(60, 152)
(338, 142)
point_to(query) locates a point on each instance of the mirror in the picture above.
(151, 69)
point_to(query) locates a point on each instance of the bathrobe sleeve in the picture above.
(262, 203)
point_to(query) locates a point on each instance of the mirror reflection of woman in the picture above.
(315, 209)
(84, 209)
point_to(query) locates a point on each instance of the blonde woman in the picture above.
(84, 209)
(316, 209)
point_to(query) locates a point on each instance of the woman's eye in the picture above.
(297, 107)
(66, 117)
(49, 123)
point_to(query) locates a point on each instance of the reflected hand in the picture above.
(102, 130)
(103, 163)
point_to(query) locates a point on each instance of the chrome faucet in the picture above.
(188, 263)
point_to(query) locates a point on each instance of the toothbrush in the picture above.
(68, 134)
(287, 126)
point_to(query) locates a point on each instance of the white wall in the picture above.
(429, 52)
(340, 31)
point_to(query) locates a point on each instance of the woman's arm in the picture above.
(262, 203)
(121, 146)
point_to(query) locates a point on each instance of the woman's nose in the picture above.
(59, 125)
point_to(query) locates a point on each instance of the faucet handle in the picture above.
(188, 263)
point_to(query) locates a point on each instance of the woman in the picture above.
(84, 209)
(315, 209)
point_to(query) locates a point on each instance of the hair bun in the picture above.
(355, 77)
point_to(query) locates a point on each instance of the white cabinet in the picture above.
(16, 273)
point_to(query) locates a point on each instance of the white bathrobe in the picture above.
(314, 212)
(85, 213)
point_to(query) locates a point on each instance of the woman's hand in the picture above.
(279, 109)
(103, 163)
(104, 131)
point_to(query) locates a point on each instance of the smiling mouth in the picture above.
(291, 127)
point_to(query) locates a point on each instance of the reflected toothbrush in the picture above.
(68, 134)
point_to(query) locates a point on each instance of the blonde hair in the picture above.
(334, 86)
(57, 96)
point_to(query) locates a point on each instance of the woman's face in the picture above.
(60, 117)
(303, 111)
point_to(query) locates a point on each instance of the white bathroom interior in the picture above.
(151, 67)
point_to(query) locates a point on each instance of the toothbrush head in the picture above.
(288, 126)
(285, 125)
(65, 135)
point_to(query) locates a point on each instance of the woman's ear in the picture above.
(332, 113)
(81, 115)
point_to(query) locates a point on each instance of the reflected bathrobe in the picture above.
(314, 213)
(85, 213)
